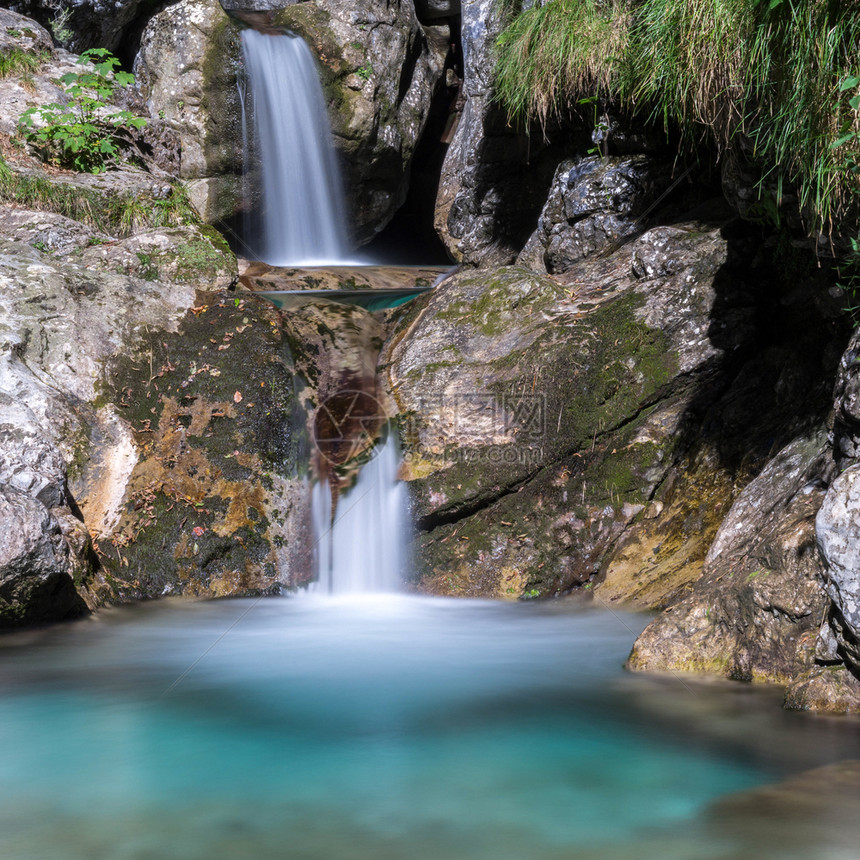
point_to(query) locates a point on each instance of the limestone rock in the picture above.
(513, 392)
(35, 563)
(754, 614)
(17, 31)
(837, 528)
(86, 23)
(492, 187)
(594, 202)
(186, 71)
(191, 255)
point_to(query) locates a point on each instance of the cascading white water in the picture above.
(303, 219)
(363, 550)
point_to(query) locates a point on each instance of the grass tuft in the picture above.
(114, 214)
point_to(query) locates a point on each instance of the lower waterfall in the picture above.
(363, 550)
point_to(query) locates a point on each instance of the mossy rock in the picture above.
(208, 507)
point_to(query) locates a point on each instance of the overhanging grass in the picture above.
(767, 69)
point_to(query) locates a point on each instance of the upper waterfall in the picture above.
(301, 218)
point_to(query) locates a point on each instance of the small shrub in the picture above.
(84, 133)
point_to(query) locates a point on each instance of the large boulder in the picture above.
(379, 69)
(87, 24)
(754, 614)
(591, 430)
(36, 564)
(593, 203)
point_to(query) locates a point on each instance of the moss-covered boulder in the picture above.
(591, 430)
(209, 506)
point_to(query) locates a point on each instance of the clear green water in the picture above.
(397, 727)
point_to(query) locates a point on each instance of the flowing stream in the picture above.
(301, 219)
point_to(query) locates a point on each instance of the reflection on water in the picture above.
(386, 727)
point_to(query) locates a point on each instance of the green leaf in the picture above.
(849, 83)
(843, 140)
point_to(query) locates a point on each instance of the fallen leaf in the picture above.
(237, 397)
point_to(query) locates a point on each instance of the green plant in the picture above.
(84, 133)
(364, 72)
(114, 213)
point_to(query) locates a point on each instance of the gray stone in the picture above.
(754, 614)
(35, 563)
(837, 528)
(593, 203)
(490, 190)
(82, 24)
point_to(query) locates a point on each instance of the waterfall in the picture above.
(363, 550)
(302, 220)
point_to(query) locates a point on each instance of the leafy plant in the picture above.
(85, 133)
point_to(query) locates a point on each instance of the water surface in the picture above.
(378, 727)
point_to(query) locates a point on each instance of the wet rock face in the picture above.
(380, 69)
(209, 503)
(36, 565)
(592, 203)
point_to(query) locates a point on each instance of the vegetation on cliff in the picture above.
(780, 78)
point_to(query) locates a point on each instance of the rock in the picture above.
(86, 24)
(47, 231)
(509, 386)
(493, 181)
(837, 527)
(29, 461)
(592, 429)
(186, 71)
(593, 203)
(831, 689)
(35, 564)
(193, 255)
(211, 506)
(24, 34)
(756, 610)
